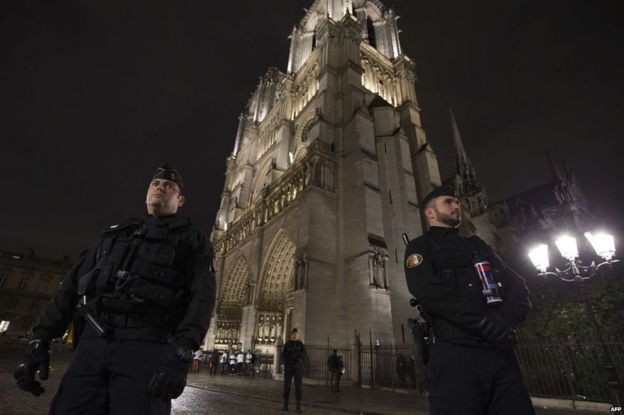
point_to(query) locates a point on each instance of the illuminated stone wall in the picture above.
(329, 163)
(27, 284)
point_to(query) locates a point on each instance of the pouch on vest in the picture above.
(152, 272)
(149, 291)
(158, 254)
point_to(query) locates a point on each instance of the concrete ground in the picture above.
(225, 394)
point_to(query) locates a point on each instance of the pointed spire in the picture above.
(567, 171)
(464, 166)
(555, 174)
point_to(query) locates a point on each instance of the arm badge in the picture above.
(414, 260)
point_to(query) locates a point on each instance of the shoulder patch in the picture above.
(414, 260)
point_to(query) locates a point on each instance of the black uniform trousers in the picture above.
(110, 376)
(465, 380)
(291, 372)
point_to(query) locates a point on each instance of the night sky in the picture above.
(94, 95)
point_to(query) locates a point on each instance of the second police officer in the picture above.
(141, 302)
(472, 368)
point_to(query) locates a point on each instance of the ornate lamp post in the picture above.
(575, 271)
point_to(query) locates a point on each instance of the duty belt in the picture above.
(134, 320)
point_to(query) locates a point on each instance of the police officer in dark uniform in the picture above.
(473, 301)
(294, 355)
(141, 302)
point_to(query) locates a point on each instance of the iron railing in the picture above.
(316, 367)
(569, 369)
(557, 369)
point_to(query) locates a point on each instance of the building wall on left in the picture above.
(27, 284)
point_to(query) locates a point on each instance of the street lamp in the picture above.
(575, 271)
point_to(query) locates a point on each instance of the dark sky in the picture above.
(95, 95)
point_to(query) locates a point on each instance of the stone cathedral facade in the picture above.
(328, 167)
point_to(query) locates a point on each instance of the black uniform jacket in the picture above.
(439, 269)
(294, 353)
(196, 268)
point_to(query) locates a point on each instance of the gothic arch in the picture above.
(277, 273)
(235, 284)
(374, 10)
(311, 22)
(232, 299)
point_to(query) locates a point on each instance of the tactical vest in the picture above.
(455, 267)
(140, 269)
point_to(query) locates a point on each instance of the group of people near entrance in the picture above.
(141, 301)
(233, 362)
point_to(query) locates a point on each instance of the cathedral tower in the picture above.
(328, 167)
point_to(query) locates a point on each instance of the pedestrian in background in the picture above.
(197, 358)
(240, 363)
(248, 363)
(222, 362)
(233, 362)
(214, 362)
(335, 366)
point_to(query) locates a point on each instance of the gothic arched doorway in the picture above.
(275, 291)
(230, 306)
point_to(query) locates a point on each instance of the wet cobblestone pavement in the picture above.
(202, 396)
(221, 395)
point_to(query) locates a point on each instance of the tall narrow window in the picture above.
(371, 32)
(314, 40)
(23, 282)
(3, 279)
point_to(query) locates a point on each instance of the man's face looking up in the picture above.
(163, 198)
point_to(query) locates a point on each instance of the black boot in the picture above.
(285, 407)
(298, 409)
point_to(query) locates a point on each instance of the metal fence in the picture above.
(569, 370)
(388, 366)
(392, 367)
(565, 370)
(316, 367)
(264, 365)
